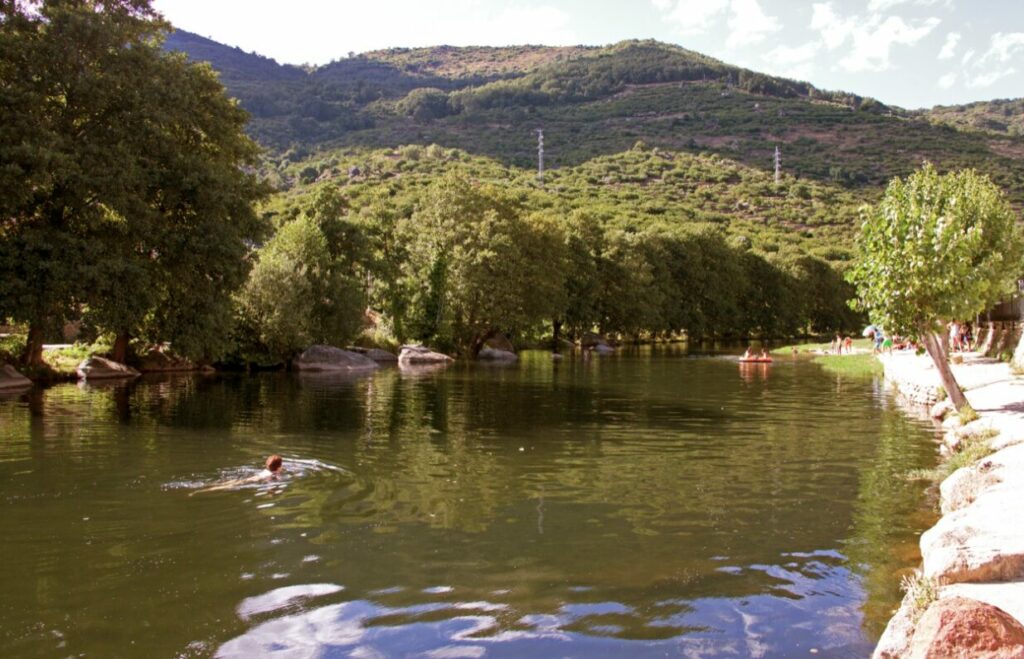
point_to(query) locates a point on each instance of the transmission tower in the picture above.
(778, 165)
(540, 155)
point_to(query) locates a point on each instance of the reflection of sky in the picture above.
(813, 604)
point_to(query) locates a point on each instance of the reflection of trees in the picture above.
(889, 513)
(639, 478)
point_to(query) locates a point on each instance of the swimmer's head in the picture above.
(274, 463)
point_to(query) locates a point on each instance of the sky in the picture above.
(911, 53)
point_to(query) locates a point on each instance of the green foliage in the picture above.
(593, 102)
(476, 265)
(921, 591)
(144, 201)
(299, 292)
(936, 248)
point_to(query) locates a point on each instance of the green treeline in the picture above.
(457, 260)
(129, 199)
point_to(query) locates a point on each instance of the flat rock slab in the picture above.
(962, 627)
(496, 355)
(101, 368)
(412, 355)
(10, 378)
(376, 354)
(321, 358)
(983, 541)
(1003, 469)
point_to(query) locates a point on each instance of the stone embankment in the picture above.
(973, 558)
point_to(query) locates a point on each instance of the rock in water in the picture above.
(603, 349)
(101, 368)
(376, 354)
(500, 342)
(12, 379)
(328, 358)
(962, 627)
(495, 355)
(412, 355)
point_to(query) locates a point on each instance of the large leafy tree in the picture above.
(140, 202)
(477, 265)
(936, 248)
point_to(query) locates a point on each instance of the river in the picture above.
(648, 503)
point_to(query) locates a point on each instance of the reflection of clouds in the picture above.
(282, 597)
(303, 635)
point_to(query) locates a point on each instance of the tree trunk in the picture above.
(120, 353)
(480, 340)
(556, 334)
(933, 343)
(33, 355)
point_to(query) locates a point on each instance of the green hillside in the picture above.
(1002, 116)
(634, 188)
(594, 101)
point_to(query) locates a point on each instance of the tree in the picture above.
(477, 266)
(935, 249)
(131, 190)
(298, 294)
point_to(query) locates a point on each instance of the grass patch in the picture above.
(863, 365)
(967, 414)
(973, 448)
(921, 592)
(815, 346)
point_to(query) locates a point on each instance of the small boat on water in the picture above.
(756, 360)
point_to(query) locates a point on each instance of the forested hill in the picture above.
(594, 101)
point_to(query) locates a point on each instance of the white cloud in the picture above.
(968, 56)
(834, 29)
(883, 5)
(947, 80)
(949, 48)
(871, 39)
(987, 79)
(792, 62)
(695, 16)
(1003, 47)
(746, 20)
(748, 24)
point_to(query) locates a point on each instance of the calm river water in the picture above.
(648, 503)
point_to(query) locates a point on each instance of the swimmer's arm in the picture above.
(228, 485)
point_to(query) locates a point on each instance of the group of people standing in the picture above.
(961, 337)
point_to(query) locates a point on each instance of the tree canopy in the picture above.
(937, 248)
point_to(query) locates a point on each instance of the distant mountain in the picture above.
(1004, 116)
(594, 101)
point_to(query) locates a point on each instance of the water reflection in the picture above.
(641, 503)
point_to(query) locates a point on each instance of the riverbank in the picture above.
(973, 558)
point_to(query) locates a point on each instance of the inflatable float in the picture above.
(756, 360)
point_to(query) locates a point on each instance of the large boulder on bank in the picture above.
(101, 368)
(12, 379)
(495, 355)
(376, 354)
(895, 640)
(961, 627)
(416, 354)
(979, 542)
(321, 359)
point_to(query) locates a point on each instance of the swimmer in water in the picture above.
(271, 472)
